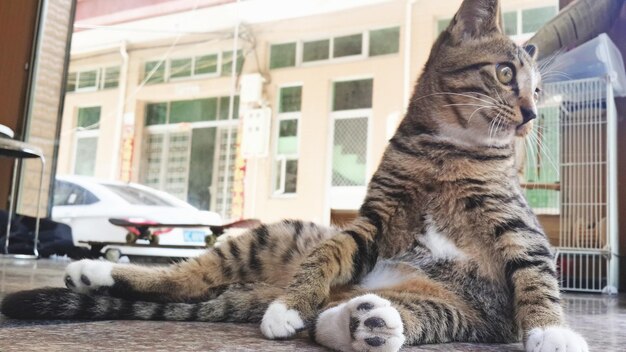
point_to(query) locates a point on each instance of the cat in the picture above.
(445, 247)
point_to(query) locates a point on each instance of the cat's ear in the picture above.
(531, 49)
(476, 18)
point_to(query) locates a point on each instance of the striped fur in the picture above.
(445, 247)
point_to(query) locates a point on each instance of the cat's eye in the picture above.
(505, 73)
(536, 94)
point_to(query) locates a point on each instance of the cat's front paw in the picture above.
(280, 322)
(365, 323)
(87, 276)
(555, 338)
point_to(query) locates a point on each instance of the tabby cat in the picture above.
(445, 247)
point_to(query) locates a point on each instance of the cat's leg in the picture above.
(270, 253)
(531, 272)
(386, 320)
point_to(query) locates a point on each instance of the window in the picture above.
(282, 55)
(71, 82)
(111, 77)
(227, 62)
(349, 45)
(180, 67)
(187, 111)
(86, 147)
(384, 41)
(67, 194)
(527, 21)
(442, 25)
(352, 103)
(379, 41)
(158, 76)
(316, 50)
(286, 158)
(87, 80)
(206, 64)
(509, 20)
(101, 78)
(533, 19)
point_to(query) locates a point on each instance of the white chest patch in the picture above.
(439, 245)
(383, 276)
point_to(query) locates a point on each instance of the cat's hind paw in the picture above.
(555, 339)
(365, 323)
(86, 276)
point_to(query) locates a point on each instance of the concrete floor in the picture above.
(601, 319)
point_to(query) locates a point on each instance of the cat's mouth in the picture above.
(523, 129)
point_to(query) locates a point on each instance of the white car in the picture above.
(86, 204)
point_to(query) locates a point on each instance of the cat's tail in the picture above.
(61, 303)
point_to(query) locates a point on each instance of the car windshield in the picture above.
(137, 196)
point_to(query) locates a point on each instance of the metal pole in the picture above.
(11, 205)
(43, 168)
(611, 140)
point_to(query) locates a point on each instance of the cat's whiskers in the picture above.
(456, 94)
(545, 149)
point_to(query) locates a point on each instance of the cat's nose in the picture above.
(527, 114)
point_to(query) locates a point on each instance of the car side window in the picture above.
(68, 194)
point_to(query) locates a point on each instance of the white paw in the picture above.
(87, 276)
(365, 323)
(555, 338)
(279, 322)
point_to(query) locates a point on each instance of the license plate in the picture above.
(194, 236)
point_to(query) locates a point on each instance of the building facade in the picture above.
(156, 99)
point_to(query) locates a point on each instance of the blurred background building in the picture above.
(157, 92)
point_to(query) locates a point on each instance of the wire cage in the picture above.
(577, 180)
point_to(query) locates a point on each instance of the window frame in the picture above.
(521, 37)
(82, 133)
(90, 88)
(283, 158)
(348, 197)
(365, 41)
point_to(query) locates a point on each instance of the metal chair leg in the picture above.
(11, 205)
(36, 243)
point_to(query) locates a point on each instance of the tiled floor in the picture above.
(601, 319)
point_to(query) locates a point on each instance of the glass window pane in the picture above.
(352, 95)
(88, 117)
(180, 67)
(156, 114)
(190, 110)
(288, 137)
(85, 162)
(201, 167)
(510, 22)
(442, 25)
(111, 77)
(290, 99)
(533, 19)
(349, 152)
(71, 82)
(291, 176)
(87, 79)
(384, 41)
(227, 62)
(348, 45)
(278, 174)
(205, 64)
(283, 55)
(158, 75)
(223, 108)
(315, 50)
